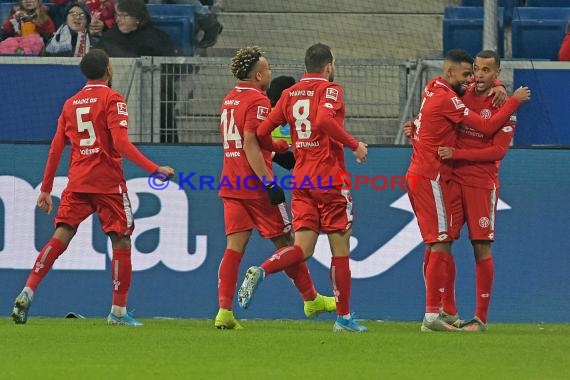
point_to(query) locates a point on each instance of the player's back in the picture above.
(435, 127)
(317, 155)
(244, 107)
(87, 118)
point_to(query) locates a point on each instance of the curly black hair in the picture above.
(244, 61)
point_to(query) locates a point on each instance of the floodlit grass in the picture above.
(48, 348)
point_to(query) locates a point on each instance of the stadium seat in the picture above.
(508, 5)
(463, 29)
(178, 21)
(5, 9)
(548, 3)
(537, 32)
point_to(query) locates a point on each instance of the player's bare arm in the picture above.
(361, 152)
(166, 170)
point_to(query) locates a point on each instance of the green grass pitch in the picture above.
(49, 348)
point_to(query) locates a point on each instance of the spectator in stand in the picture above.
(102, 14)
(72, 39)
(134, 36)
(564, 52)
(27, 29)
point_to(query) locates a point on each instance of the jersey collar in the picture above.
(96, 83)
(246, 86)
(314, 76)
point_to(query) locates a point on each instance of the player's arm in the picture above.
(495, 152)
(117, 120)
(255, 157)
(44, 201)
(275, 118)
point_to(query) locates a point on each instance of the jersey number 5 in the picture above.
(229, 129)
(301, 110)
(85, 126)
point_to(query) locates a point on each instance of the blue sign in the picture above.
(179, 241)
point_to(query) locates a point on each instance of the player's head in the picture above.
(458, 69)
(249, 65)
(486, 70)
(95, 65)
(319, 59)
(278, 85)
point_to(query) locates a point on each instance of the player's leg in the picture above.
(238, 224)
(431, 209)
(116, 218)
(73, 209)
(481, 211)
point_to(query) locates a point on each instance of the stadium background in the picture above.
(386, 52)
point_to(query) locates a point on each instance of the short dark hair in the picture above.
(136, 9)
(490, 54)
(317, 57)
(278, 85)
(94, 64)
(458, 56)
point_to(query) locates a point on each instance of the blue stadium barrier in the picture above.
(463, 29)
(538, 32)
(508, 5)
(5, 9)
(178, 21)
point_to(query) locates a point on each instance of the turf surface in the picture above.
(48, 348)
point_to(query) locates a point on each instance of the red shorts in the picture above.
(114, 211)
(477, 207)
(323, 210)
(246, 214)
(431, 201)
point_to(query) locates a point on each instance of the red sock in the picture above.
(299, 274)
(282, 258)
(341, 281)
(49, 253)
(121, 272)
(227, 278)
(484, 271)
(448, 297)
(426, 260)
(436, 280)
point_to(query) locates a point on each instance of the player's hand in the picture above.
(45, 202)
(522, 94)
(445, 152)
(408, 128)
(276, 194)
(286, 160)
(499, 94)
(361, 152)
(166, 170)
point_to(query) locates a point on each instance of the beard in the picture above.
(459, 89)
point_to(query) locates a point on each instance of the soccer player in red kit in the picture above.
(251, 199)
(429, 178)
(314, 107)
(95, 122)
(476, 173)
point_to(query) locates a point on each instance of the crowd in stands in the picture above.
(70, 28)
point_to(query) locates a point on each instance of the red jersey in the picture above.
(314, 108)
(476, 156)
(86, 122)
(243, 109)
(441, 111)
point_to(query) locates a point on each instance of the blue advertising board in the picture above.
(179, 240)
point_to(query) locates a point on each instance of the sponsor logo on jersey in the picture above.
(485, 113)
(484, 222)
(122, 109)
(262, 112)
(457, 103)
(332, 93)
